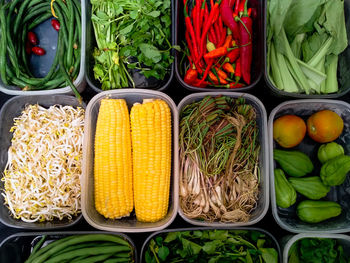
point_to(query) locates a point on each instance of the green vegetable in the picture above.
(317, 250)
(294, 163)
(304, 39)
(334, 171)
(310, 187)
(317, 211)
(211, 246)
(131, 35)
(285, 193)
(329, 151)
(83, 248)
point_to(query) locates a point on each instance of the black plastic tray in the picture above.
(258, 44)
(140, 81)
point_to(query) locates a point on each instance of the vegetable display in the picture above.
(304, 41)
(17, 20)
(211, 246)
(320, 250)
(42, 174)
(219, 39)
(83, 248)
(298, 172)
(219, 167)
(131, 36)
(133, 159)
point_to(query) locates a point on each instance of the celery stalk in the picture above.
(297, 72)
(289, 84)
(331, 71)
(322, 52)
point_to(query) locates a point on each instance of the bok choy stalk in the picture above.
(304, 39)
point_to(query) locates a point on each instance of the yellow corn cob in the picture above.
(113, 163)
(151, 142)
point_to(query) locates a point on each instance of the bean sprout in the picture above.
(42, 174)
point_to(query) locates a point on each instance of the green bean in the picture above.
(3, 45)
(117, 260)
(63, 28)
(52, 248)
(42, 8)
(39, 244)
(19, 15)
(39, 20)
(71, 34)
(87, 251)
(92, 259)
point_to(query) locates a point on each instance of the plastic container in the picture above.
(11, 109)
(344, 61)
(127, 224)
(40, 66)
(153, 235)
(17, 247)
(289, 241)
(141, 81)
(287, 218)
(258, 16)
(263, 202)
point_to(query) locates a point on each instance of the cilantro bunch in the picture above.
(131, 35)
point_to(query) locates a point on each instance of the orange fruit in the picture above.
(289, 130)
(324, 126)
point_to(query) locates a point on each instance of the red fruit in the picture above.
(55, 24)
(38, 51)
(32, 38)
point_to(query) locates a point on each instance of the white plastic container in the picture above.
(263, 202)
(127, 224)
(10, 110)
(287, 218)
(48, 39)
(290, 241)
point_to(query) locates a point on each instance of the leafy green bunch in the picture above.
(212, 246)
(131, 35)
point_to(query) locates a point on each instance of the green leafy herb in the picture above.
(131, 35)
(320, 250)
(212, 246)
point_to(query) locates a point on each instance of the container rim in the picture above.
(77, 82)
(174, 180)
(210, 228)
(271, 165)
(264, 152)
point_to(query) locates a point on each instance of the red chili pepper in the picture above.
(200, 84)
(198, 17)
(238, 70)
(228, 40)
(191, 75)
(189, 27)
(228, 68)
(245, 38)
(228, 18)
(236, 7)
(219, 52)
(28, 48)
(213, 36)
(32, 38)
(38, 51)
(201, 18)
(55, 24)
(249, 12)
(241, 7)
(213, 12)
(222, 74)
(233, 54)
(217, 31)
(235, 85)
(217, 79)
(190, 47)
